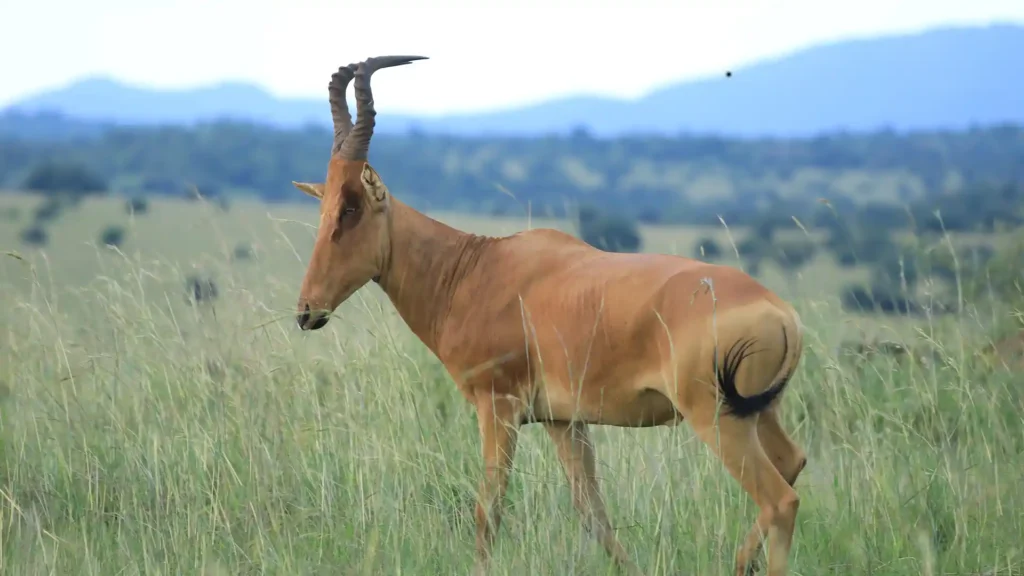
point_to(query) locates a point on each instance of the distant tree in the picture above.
(650, 216)
(34, 236)
(611, 232)
(794, 254)
(886, 216)
(893, 270)
(752, 247)
(242, 252)
(845, 257)
(588, 214)
(55, 177)
(48, 210)
(639, 175)
(707, 249)
(877, 299)
(221, 201)
(752, 266)
(136, 205)
(766, 223)
(112, 236)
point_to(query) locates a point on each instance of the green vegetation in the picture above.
(607, 231)
(160, 412)
(686, 180)
(112, 236)
(854, 198)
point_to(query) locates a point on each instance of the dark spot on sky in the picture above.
(728, 73)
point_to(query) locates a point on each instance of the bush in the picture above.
(610, 232)
(242, 252)
(112, 236)
(878, 299)
(650, 216)
(892, 270)
(136, 205)
(752, 266)
(34, 236)
(54, 177)
(707, 249)
(50, 209)
(751, 247)
(794, 254)
(222, 202)
(861, 245)
(845, 257)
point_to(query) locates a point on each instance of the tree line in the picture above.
(645, 178)
(964, 181)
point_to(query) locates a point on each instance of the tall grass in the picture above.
(143, 435)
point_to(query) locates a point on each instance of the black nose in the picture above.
(308, 320)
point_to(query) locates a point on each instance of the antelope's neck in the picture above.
(427, 262)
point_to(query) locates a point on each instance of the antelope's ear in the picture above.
(314, 190)
(374, 186)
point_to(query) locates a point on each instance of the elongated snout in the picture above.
(311, 319)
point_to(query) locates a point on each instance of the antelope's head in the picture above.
(353, 238)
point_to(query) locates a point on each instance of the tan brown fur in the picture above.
(541, 327)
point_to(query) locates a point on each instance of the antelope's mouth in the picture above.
(312, 319)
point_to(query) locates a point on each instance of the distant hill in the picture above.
(949, 78)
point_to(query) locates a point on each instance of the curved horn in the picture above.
(339, 105)
(357, 145)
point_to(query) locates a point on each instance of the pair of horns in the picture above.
(352, 142)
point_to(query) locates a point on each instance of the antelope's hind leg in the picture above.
(735, 441)
(576, 454)
(789, 459)
(498, 417)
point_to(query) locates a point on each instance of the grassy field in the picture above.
(143, 435)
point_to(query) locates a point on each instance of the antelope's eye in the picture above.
(347, 210)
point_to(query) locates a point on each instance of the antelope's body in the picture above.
(541, 327)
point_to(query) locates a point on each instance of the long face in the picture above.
(352, 241)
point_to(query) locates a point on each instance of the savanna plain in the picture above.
(142, 432)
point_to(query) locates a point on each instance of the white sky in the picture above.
(484, 54)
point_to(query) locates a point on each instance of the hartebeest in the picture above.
(540, 327)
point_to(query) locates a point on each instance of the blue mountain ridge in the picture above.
(948, 78)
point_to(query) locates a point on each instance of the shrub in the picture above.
(34, 236)
(611, 232)
(57, 177)
(136, 205)
(707, 249)
(857, 298)
(222, 202)
(112, 236)
(751, 247)
(794, 254)
(48, 210)
(242, 252)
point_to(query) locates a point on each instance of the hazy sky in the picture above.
(484, 53)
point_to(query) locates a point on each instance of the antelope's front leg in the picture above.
(498, 417)
(576, 453)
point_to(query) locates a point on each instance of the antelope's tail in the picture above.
(727, 368)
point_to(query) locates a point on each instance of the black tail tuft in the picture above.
(725, 373)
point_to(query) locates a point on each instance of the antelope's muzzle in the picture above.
(311, 319)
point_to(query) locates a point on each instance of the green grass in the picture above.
(141, 435)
